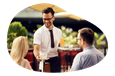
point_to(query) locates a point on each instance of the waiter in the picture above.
(47, 39)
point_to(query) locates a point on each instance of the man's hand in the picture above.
(36, 52)
(38, 58)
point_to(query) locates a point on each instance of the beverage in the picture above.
(43, 56)
(62, 41)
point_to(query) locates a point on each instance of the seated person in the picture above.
(90, 55)
(19, 50)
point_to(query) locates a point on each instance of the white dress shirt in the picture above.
(42, 37)
(89, 57)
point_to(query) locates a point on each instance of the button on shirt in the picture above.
(42, 37)
(89, 57)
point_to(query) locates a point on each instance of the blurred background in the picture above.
(28, 20)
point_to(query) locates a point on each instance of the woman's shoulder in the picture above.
(23, 62)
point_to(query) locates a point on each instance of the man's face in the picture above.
(48, 19)
(79, 41)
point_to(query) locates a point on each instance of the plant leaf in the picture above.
(102, 37)
(96, 35)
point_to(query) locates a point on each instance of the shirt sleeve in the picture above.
(37, 38)
(76, 63)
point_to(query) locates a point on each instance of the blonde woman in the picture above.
(19, 50)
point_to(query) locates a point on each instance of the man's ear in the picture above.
(53, 18)
(83, 42)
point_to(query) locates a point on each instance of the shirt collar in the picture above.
(89, 47)
(47, 28)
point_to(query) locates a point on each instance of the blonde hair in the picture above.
(19, 49)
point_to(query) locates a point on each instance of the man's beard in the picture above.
(80, 46)
(48, 25)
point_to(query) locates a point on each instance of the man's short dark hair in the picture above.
(48, 10)
(87, 35)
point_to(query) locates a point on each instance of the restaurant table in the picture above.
(66, 50)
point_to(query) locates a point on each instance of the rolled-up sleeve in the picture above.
(76, 63)
(37, 38)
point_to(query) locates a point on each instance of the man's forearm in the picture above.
(36, 50)
(36, 53)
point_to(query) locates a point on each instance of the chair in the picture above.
(29, 57)
(100, 67)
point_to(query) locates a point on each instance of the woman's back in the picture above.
(25, 63)
(19, 50)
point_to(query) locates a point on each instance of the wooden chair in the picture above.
(47, 67)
